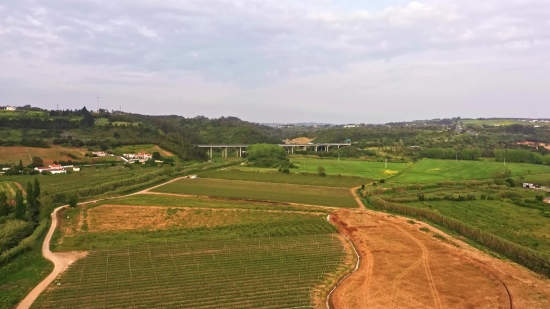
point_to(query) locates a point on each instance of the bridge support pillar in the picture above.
(292, 149)
(240, 152)
(316, 148)
(210, 153)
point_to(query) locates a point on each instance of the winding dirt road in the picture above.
(405, 267)
(63, 260)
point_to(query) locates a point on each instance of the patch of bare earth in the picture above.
(403, 267)
(122, 217)
(299, 140)
(319, 293)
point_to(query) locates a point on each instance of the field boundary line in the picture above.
(206, 197)
(346, 276)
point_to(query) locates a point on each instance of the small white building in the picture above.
(53, 168)
(10, 108)
(6, 168)
(99, 153)
(76, 169)
(529, 185)
(140, 156)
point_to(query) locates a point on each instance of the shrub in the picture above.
(546, 214)
(421, 197)
(539, 198)
(382, 180)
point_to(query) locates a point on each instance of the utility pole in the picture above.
(386, 163)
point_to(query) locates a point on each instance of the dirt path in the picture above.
(403, 267)
(61, 263)
(63, 260)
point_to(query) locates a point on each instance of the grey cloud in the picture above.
(258, 45)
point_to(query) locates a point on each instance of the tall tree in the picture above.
(19, 205)
(20, 166)
(3, 204)
(36, 188)
(32, 204)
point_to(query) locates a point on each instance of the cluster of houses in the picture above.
(52, 168)
(133, 157)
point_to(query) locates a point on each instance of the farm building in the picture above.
(76, 169)
(143, 156)
(529, 185)
(54, 169)
(10, 108)
(6, 168)
(99, 153)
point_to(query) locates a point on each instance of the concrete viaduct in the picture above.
(289, 147)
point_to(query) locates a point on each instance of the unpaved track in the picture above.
(403, 267)
(63, 260)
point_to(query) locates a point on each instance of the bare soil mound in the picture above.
(404, 267)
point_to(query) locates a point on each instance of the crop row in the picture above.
(274, 272)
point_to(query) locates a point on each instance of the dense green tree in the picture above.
(4, 210)
(20, 165)
(267, 155)
(37, 162)
(156, 155)
(36, 188)
(19, 205)
(73, 200)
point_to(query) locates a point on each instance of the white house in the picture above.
(529, 185)
(100, 153)
(76, 169)
(142, 156)
(6, 168)
(10, 108)
(53, 168)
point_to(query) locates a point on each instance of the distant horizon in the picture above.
(301, 122)
(282, 61)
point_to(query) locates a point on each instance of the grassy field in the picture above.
(429, 170)
(12, 155)
(88, 176)
(499, 216)
(346, 167)
(275, 272)
(292, 178)
(176, 201)
(19, 276)
(9, 187)
(142, 149)
(313, 195)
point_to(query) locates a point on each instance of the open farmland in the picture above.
(312, 195)
(521, 225)
(12, 155)
(142, 149)
(235, 173)
(344, 167)
(273, 272)
(208, 202)
(428, 170)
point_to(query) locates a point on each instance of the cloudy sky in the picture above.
(344, 61)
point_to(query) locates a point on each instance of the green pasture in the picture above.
(20, 275)
(313, 195)
(176, 201)
(429, 170)
(271, 272)
(235, 173)
(525, 226)
(344, 167)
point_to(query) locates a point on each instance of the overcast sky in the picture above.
(342, 61)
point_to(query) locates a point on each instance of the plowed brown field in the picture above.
(404, 267)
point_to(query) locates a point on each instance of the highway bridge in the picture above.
(289, 147)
